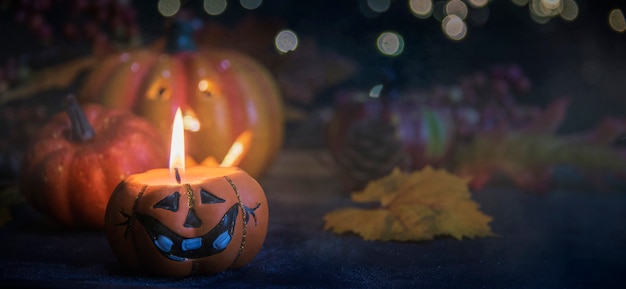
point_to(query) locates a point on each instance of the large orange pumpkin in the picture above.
(221, 93)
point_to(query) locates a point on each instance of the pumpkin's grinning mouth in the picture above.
(179, 248)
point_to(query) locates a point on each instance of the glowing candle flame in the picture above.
(177, 148)
(238, 150)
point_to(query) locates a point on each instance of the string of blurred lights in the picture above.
(169, 8)
(540, 11)
(454, 16)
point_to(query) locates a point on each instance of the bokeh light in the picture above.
(134, 67)
(224, 64)
(390, 43)
(376, 90)
(421, 8)
(478, 3)
(125, 57)
(454, 27)
(439, 10)
(379, 6)
(570, 10)
(456, 7)
(617, 21)
(251, 4)
(203, 85)
(551, 4)
(286, 40)
(168, 8)
(545, 8)
(520, 2)
(214, 7)
(190, 121)
(541, 11)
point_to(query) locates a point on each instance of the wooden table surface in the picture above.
(568, 238)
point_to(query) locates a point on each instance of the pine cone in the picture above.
(370, 150)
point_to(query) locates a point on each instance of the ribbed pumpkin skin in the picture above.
(71, 181)
(226, 91)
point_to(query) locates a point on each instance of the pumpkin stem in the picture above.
(82, 131)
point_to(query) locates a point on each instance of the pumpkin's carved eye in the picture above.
(207, 88)
(169, 203)
(207, 198)
(159, 90)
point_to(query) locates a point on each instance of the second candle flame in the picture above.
(238, 150)
(177, 148)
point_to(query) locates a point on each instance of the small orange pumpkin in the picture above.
(78, 158)
(221, 93)
(215, 220)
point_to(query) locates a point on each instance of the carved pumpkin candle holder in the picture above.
(187, 221)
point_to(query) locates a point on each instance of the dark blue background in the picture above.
(572, 237)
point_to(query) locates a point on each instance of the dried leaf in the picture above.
(375, 224)
(413, 206)
(529, 159)
(381, 189)
(58, 77)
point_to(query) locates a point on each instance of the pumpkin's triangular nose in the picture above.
(192, 220)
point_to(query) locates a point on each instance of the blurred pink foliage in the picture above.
(492, 133)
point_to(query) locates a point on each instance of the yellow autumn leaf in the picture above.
(417, 223)
(383, 188)
(376, 224)
(413, 206)
(470, 224)
(432, 183)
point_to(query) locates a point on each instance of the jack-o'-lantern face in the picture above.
(179, 248)
(221, 93)
(194, 228)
